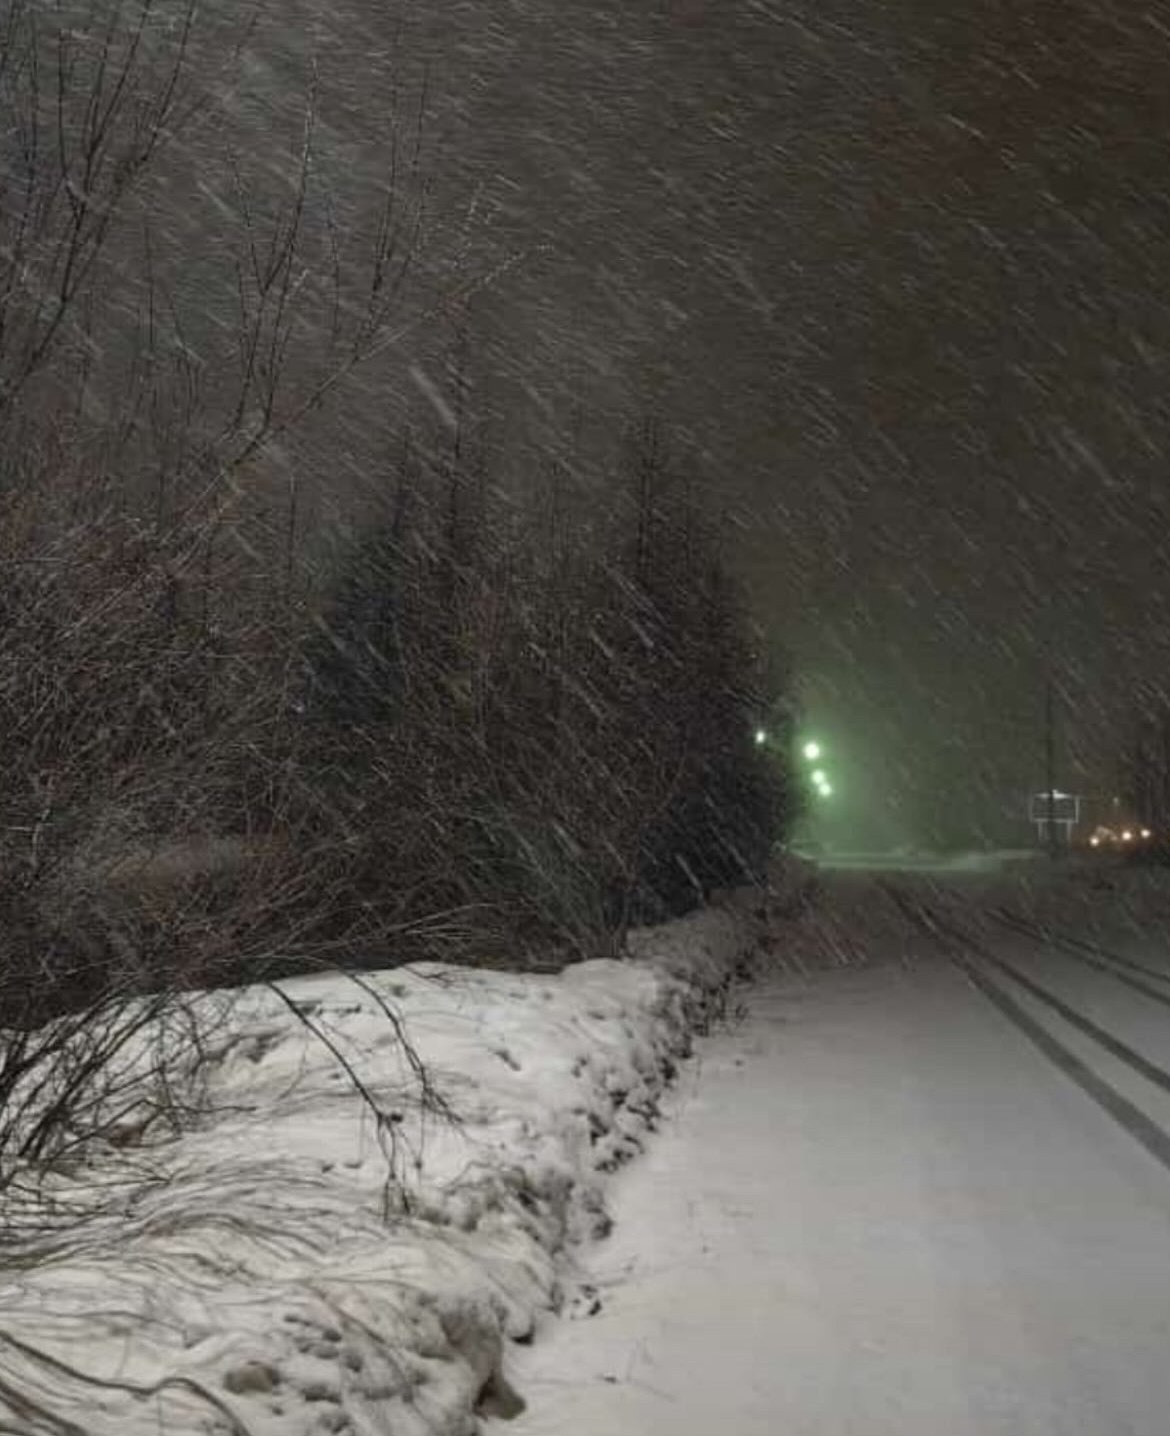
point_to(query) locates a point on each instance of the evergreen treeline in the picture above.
(488, 737)
(536, 735)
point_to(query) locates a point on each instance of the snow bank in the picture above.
(269, 1277)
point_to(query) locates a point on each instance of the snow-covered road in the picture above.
(876, 1208)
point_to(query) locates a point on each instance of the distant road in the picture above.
(914, 860)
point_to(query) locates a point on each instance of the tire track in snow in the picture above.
(966, 953)
(1091, 954)
(1151, 1071)
(1125, 1113)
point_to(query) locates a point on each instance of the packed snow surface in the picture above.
(876, 1207)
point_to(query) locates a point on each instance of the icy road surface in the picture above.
(875, 1207)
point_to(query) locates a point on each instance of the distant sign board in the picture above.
(1057, 807)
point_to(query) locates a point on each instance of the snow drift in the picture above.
(325, 1251)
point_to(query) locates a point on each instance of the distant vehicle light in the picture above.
(1094, 841)
(761, 737)
(1127, 836)
(1146, 833)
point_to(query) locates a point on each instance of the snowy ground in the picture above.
(877, 1202)
(268, 1279)
(879, 1207)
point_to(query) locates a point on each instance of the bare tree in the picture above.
(151, 839)
(88, 100)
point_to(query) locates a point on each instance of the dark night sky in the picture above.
(898, 273)
(903, 271)
(929, 249)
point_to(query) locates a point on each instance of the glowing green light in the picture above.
(820, 777)
(812, 750)
(761, 737)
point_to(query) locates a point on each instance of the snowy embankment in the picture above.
(270, 1276)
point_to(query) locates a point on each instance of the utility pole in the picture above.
(1050, 764)
(1161, 815)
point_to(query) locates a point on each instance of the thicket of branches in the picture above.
(539, 733)
(488, 733)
